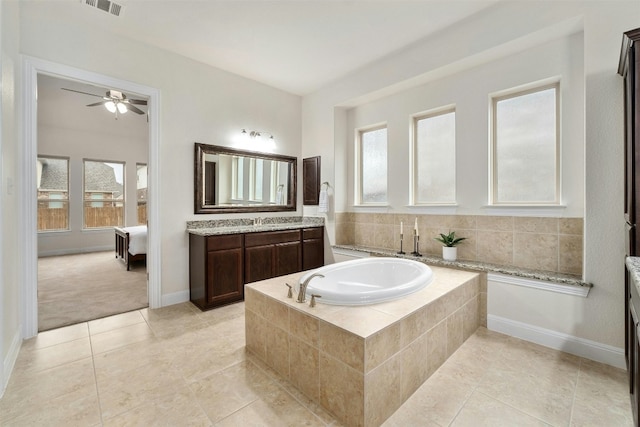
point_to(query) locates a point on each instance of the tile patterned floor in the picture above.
(178, 366)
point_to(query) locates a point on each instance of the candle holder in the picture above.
(401, 252)
(416, 244)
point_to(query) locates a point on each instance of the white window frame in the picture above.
(140, 202)
(100, 201)
(414, 156)
(62, 201)
(493, 169)
(237, 177)
(358, 164)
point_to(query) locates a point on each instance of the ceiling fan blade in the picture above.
(135, 109)
(136, 101)
(84, 93)
(96, 104)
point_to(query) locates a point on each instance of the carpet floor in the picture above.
(77, 288)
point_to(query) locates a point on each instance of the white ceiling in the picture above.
(64, 109)
(295, 45)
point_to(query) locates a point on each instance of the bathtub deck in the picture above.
(362, 363)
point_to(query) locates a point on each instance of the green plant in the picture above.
(450, 240)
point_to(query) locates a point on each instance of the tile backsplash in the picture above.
(540, 243)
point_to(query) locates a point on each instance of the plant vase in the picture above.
(449, 253)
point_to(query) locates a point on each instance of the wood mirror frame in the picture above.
(203, 194)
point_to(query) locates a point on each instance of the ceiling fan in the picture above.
(115, 101)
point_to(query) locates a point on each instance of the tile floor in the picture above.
(178, 366)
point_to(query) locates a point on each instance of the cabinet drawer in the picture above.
(311, 233)
(229, 241)
(271, 237)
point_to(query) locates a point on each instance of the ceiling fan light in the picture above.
(121, 108)
(111, 106)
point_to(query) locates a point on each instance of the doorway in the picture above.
(91, 177)
(28, 222)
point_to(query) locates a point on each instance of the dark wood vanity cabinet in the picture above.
(272, 253)
(629, 69)
(220, 265)
(216, 270)
(632, 345)
(312, 248)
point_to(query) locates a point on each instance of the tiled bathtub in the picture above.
(362, 363)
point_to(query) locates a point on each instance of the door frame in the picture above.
(27, 222)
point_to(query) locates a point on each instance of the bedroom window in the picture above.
(141, 192)
(371, 164)
(53, 193)
(434, 145)
(525, 150)
(103, 194)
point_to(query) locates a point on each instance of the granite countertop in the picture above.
(238, 226)
(633, 266)
(564, 279)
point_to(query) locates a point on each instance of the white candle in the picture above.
(401, 227)
(416, 226)
(417, 232)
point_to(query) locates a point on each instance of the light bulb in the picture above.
(111, 106)
(121, 108)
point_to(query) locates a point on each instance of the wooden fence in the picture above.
(58, 218)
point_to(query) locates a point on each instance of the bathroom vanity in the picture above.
(629, 68)
(223, 259)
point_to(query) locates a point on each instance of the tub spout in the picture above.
(303, 287)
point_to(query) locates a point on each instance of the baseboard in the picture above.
(10, 361)
(175, 298)
(74, 251)
(588, 349)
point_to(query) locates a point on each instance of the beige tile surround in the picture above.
(362, 363)
(539, 243)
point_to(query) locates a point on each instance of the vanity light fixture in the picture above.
(257, 135)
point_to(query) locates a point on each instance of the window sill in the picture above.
(45, 232)
(515, 210)
(440, 208)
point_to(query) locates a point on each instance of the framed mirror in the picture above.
(231, 180)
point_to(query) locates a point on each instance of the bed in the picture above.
(131, 244)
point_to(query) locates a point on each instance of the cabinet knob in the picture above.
(289, 292)
(313, 300)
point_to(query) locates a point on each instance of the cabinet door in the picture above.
(312, 248)
(310, 180)
(288, 258)
(313, 254)
(224, 276)
(259, 263)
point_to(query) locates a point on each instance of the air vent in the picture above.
(105, 5)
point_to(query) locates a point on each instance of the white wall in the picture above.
(469, 91)
(77, 145)
(198, 104)
(507, 29)
(10, 256)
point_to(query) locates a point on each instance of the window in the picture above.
(141, 192)
(53, 193)
(237, 177)
(372, 166)
(103, 194)
(525, 159)
(255, 179)
(434, 179)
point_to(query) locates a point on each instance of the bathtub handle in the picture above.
(289, 292)
(313, 299)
